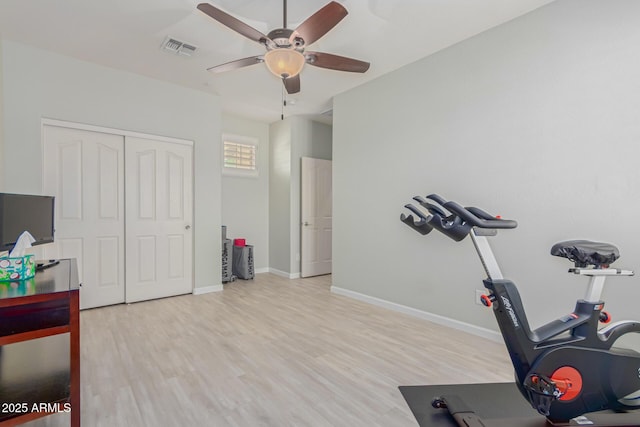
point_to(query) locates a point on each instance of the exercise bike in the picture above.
(567, 369)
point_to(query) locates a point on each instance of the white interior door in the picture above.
(85, 171)
(316, 217)
(159, 212)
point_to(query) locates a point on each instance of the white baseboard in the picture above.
(284, 274)
(262, 270)
(435, 318)
(207, 289)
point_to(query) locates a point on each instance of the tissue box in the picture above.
(17, 268)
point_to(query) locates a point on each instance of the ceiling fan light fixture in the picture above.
(284, 63)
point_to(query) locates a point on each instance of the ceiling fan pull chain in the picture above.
(284, 102)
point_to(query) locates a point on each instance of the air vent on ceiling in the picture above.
(176, 46)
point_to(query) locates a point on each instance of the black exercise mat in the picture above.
(500, 403)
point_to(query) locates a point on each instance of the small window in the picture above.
(240, 155)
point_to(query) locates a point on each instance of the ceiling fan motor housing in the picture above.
(280, 37)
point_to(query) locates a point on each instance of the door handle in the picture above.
(187, 227)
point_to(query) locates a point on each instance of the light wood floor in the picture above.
(267, 352)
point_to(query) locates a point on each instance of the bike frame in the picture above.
(578, 329)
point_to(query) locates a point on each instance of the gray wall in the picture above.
(536, 120)
(39, 84)
(245, 200)
(290, 140)
(280, 196)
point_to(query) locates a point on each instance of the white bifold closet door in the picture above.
(124, 210)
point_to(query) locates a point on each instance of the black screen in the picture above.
(21, 212)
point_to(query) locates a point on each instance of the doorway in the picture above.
(316, 217)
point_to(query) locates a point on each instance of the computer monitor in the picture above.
(23, 212)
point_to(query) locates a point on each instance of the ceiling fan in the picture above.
(286, 53)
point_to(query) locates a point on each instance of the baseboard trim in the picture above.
(207, 289)
(262, 270)
(435, 318)
(284, 273)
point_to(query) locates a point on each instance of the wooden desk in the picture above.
(40, 345)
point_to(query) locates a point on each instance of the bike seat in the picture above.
(585, 252)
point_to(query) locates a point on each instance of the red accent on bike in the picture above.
(498, 216)
(569, 382)
(575, 316)
(605, 317)
(486, 301)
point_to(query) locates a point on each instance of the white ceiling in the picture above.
(127, 35)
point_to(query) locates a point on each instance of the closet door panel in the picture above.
(159, 213)
(84, 170)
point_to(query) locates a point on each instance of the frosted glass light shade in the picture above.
(284, 63)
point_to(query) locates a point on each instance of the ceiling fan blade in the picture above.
(238, 63)
(233, 23)
(318, 24)
(292, 84)
(335, 62)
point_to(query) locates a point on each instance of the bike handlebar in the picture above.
(470, 215)
(455, 225)
(437, 199)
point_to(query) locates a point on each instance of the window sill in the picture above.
(239, 173)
